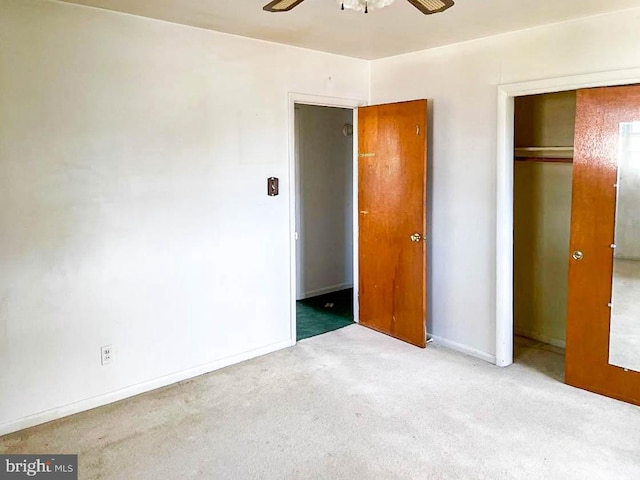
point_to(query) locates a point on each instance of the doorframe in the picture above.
(504, 185)
(321, 101)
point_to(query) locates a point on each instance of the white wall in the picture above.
(133, 162)
(461, 80)
(325, 200)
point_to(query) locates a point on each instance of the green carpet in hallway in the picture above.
(324, 313)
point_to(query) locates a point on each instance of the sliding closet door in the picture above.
(603, 323)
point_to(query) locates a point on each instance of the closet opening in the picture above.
(543, 169)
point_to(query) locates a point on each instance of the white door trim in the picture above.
(353, 104)
(504, 188)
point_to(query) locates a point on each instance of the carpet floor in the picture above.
(355, 404)
(324, 313)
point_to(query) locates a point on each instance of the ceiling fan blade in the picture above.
(432, 6)
(281, 5)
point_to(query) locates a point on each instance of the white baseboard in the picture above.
(542, 338)
(459, 347)
(324, 290)
(105, 399)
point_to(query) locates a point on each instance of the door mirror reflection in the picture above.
(624, 336)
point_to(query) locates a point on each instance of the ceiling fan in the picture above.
(425, 6)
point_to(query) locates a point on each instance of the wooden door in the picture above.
(599, 115)
(392, 168)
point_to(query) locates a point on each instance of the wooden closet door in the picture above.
(599, 115)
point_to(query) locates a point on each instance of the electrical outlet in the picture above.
(107, 354)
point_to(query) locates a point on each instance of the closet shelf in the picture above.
(544, 154)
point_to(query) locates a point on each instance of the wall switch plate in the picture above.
(272, 186)
(107, 354)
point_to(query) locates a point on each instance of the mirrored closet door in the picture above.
(603, 322)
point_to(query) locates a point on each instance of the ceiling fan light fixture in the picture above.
(425, 6)
(432, 6)
(281, 5)
(364, 5)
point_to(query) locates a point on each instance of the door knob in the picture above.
(577, 255)
(416, 237)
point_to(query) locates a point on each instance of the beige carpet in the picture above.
(354, 404)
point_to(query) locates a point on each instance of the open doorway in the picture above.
(324, 219)
(543, 170)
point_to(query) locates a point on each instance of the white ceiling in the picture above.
(400, 28)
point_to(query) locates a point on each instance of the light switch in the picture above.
(272, 186)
